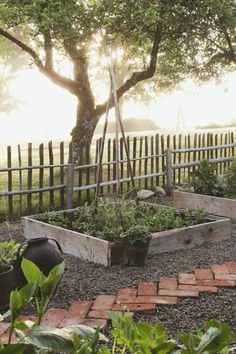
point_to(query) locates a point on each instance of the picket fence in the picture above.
(42, 177)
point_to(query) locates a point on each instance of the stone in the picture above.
(159, 191)
(144, 194)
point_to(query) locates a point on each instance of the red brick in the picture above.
(216, 282)
(179, 293)
(225, 276)
(126, 295)
(168, 283)
(98, 314)
(201, 288)
(5, 336)
(77, 311)
(149, 308)
(220, 269)
(163, 300)
(201, 273)
(27, 318)
(80, 308)
(3, 327)
(104, 302)
(187, 279)
(105, 314)
(231, 265)
(147, 289)
(53, 317)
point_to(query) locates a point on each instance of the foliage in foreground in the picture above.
(126, 335)
(109, 220)
(205, 180)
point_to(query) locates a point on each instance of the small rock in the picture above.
(144, 194)
(159, 191)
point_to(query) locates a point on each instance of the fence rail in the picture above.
(43, 177)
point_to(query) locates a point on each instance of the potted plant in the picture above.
(8, 279)
(137, 239)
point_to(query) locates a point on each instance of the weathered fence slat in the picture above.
(51, 174)
(29, 178)
(41, 175)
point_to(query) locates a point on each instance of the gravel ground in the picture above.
(84, 280)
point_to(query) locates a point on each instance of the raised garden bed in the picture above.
(213, 205)
(106, 253)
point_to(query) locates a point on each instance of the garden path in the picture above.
(145, 297)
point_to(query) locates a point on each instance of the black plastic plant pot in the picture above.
(137, 254)
(118, 254)
(8, 282)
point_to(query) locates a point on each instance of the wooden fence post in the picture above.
(69, 186)
(168, 168)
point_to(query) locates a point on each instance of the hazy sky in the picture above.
(49, 111)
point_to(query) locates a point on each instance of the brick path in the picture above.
(145, 297)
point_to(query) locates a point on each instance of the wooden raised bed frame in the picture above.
(213, 205)
(101, 251)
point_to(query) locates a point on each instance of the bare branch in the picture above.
(59, 80)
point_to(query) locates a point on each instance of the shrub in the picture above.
(205, 179)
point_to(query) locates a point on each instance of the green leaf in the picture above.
(48, 285)
(31, 272)
(84, 331)
(19, 298)
(223, 339)
(208, 338)
(50, 338)
(14, 348)
(24, 325)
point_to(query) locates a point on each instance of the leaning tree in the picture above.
(163, 40)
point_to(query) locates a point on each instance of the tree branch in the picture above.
(57, 79)
(48, 48)
(137, 76)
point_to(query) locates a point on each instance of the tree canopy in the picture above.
(163, 40)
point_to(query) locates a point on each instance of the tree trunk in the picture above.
(83, 131)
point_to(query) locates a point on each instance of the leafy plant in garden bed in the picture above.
(109, 221)
(205, 180)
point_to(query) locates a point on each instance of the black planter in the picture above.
(41, 252)
(8, 282)
(118, 254)
(136, 254)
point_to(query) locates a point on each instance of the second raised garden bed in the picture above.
(213, 205)
(107, 253)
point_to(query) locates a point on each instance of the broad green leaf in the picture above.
(15, 304)
(50, 338)
(31, 272)
(208, 338)
(19, 298)
(84, 331)
(24, 325)
(14, 349)
(49, 284)
(224, 338)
